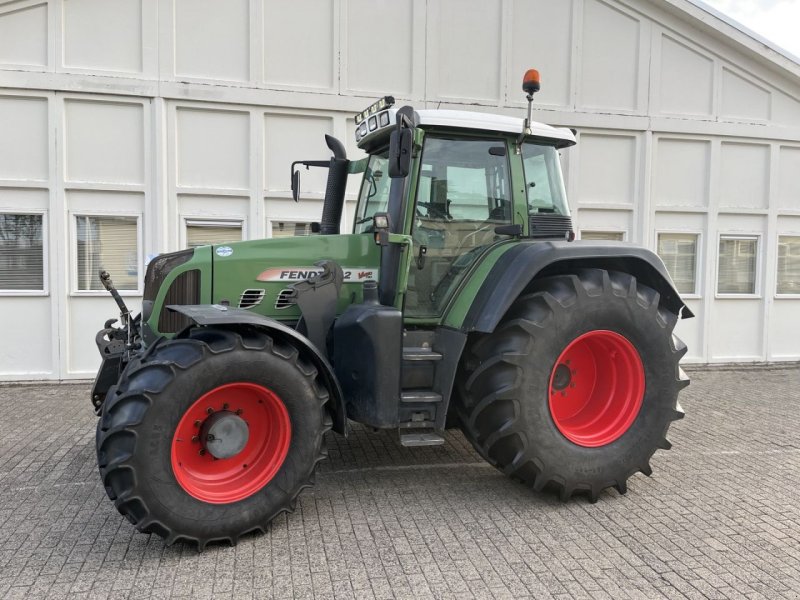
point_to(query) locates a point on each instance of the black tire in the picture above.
(503, 402)
(142, 411)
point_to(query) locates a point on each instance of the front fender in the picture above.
(528, 260)
(215, 314)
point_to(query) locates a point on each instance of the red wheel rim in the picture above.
(596, 388)
(226, 480)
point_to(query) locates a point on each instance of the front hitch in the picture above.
(115, 344)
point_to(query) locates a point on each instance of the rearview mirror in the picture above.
(296, 185)
(400, 153)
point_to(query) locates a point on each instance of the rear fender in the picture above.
(217, 315)
(519, 266)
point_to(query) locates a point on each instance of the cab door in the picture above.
(463, 194)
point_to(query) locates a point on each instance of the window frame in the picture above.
(697, 294)
(210, 222)
(73, 215)
(270, 221)
(757, 294)
(777, 295)
(45, 291)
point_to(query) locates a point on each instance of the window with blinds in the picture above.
(736, 272)
(290, 228)
(788, 264)
(212, 233)
(679, 253)
(108, 244)
(21, 253)
(613, 236)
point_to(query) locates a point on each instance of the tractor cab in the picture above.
(473, 180)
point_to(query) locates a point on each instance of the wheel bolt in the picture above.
(209, 410)
(197, 423)
(225, 406)
(202, 452)
(195, 439)
(239, 411)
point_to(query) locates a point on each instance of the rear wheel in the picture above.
(211, 436)
(577, 386)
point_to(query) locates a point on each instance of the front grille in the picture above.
(159, 268)
(185, 289)
(550, 226)
(251, 298)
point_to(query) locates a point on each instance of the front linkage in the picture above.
(117, 345)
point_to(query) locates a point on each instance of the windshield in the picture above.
(374, 195)
(543, 181)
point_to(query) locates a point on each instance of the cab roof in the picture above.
(463, 120)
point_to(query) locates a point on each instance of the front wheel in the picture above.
(211, 436)
(577, 386)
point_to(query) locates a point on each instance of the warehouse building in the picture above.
(134, 127)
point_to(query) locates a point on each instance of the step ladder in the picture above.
(421, 403)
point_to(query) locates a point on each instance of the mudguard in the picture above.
(517, 267)
(215, 314)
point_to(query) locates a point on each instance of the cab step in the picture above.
(420, 353)
(420, 396)
(421, 439)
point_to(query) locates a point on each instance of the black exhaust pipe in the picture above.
(334, 191)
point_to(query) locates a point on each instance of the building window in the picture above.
(679, 253)
(209, 233)
(107, 244)
(290, 228)
(21, 253)
(788, 264)
(736, 273)
(613, 236)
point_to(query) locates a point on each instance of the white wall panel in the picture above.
(193, 205)
(23, 34)
(742, 99)
(788, 192)
(103, 35)
(23, 320)
(590, 219)
(611, 48)
(23, 138)
(785, 110)
(784, 330)
(104, 201)
(104, 141)
(607, 169)
(736, 330)
(213, 148)
(310, 25)
(212, 39)
(541, 38)
(686, 80)
(466, 39)
(295, 137)
(744, 176)
(369, 29)
(681, 172)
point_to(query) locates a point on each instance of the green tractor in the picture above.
(459, 299)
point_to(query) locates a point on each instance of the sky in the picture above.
(776, 20)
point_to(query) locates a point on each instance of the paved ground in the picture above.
(720, 518)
